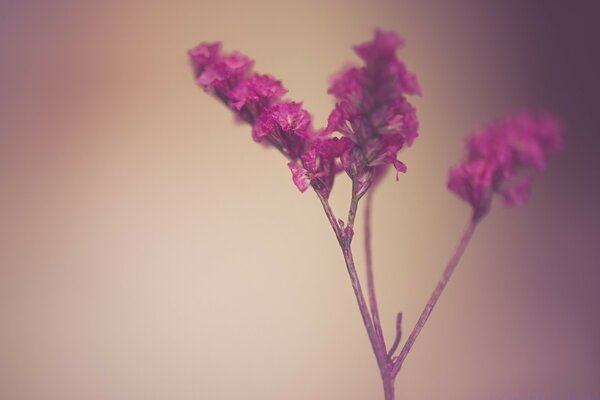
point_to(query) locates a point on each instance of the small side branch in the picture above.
(398, 335)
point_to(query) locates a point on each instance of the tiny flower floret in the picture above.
(203, 55)
(319, 165)
(256, 91)
(383, 46)
(286, 125)
(225, 72)
(348, 84)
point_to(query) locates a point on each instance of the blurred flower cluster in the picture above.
(499, 158)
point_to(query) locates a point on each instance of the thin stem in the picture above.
(394, 346)
(330, 216)
(364, 310)
(369, 268)
(344, 241)
(353, 204)
(435, 296)
(388, 387)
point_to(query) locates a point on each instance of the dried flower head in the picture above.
(498, 156)
(372, 110)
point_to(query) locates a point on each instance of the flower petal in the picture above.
(299, 176)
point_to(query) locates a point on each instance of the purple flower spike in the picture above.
(372, 110)
(500, 152)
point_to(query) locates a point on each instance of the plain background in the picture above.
(150, 250)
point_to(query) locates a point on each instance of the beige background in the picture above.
(150, 250)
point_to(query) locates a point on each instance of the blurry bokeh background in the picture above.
(150, 250)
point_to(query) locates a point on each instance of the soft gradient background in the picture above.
(150, 250)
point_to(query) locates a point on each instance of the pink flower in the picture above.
(348, 84)
(500, 152)
(371, 108)
(203, 55)
(229, 77)
(520, 141)
(405, 81)
(319, 165)
(287, 126)
(225, 72)
(382, 47)
(345, 119)
(256, 99)
(397, 116)
(256, 93)
(472, 181)
(382, 63)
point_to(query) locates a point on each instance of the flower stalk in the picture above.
(369, 268)
(371, 122)
(433, 299)
(389, 364)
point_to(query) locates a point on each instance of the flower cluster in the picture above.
(229, 77)
(371, 108)
(371, 113)
(497, 157)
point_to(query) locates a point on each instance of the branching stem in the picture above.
(389, 365)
